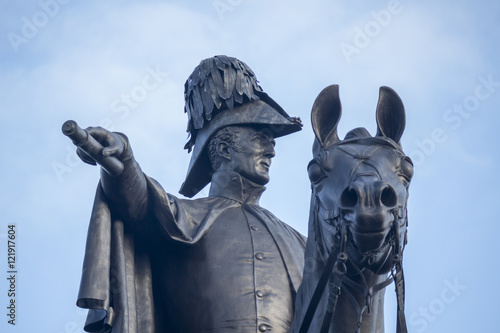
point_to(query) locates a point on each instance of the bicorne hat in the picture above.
(223, 91)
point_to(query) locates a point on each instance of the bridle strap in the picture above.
(400, 294)
(334, 271)
(337, 266)
(399, 280)
(360, 311)
(365, 290)
(336, 278)
(318, 293)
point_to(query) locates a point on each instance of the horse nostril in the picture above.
(349, 198)
(388, 196)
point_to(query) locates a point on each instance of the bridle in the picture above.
(335, 270)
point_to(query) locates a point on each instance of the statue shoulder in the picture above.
(285, 226)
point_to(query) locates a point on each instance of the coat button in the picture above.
(262, 327)
(254, 228)
(259, 255)
(259, 293)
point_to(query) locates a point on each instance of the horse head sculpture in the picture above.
(358, 220)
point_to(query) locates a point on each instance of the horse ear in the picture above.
(325, 115)
(391, 118)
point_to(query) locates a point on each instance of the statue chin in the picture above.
(255, 179)
(378, 262)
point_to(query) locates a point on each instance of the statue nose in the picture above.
(269, 152)
(371, 194)
(267, 146)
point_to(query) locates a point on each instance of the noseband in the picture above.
(335, 269)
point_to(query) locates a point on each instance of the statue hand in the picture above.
(114, 144)
(97, 145)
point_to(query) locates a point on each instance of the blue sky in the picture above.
(122, 64)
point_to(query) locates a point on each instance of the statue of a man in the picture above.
(157, 263)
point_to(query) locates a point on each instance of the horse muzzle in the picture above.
(368, 211)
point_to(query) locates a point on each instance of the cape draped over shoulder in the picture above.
(116, 284)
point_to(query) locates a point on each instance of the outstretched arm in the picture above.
(122, 179)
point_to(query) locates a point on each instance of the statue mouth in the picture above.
(370, 241)
(370, 223)
(265, 164)
(374, 233)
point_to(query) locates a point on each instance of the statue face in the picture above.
(253, 158)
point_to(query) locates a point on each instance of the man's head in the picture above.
(223, 92)
(244, 150)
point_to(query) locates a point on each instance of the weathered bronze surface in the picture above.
(358, 220)
(158, 263)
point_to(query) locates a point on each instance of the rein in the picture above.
(336, 269)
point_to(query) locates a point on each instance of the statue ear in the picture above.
(223, 148)
(391, 118)
(325, 115)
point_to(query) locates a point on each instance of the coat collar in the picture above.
(231, 185)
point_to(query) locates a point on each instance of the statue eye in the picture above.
(316, 172)
(406, 169)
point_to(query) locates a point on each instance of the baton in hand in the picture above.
(86, 142)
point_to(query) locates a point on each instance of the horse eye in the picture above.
(315, 171)
(407, 168)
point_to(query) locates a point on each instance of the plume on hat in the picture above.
(217, 83)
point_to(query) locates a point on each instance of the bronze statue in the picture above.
(158, 263)
(358, 220)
